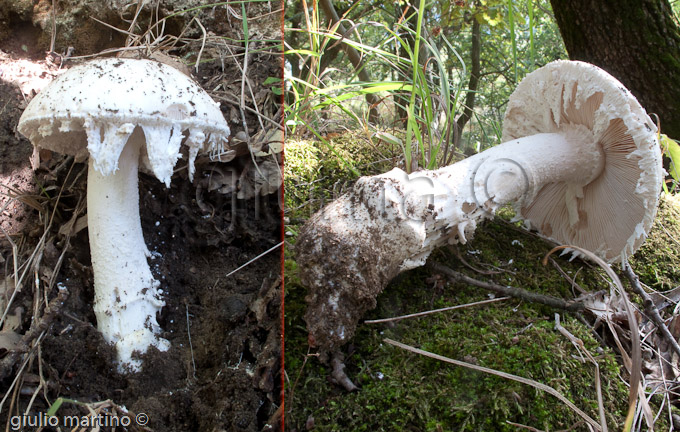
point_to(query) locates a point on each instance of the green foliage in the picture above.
(275, 83)
(56, 405)
(671, 149)
(513, 36)
(428, 101)
(421, 83)
(656, 260)
(313, 177)
(312, 95)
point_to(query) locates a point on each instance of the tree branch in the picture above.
(354, 57)
(475, 69)
(572, 306)
(651, 310)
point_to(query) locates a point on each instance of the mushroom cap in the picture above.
(94, 108)
(615, 211)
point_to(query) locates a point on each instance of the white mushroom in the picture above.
(580, 161)
(121, 111)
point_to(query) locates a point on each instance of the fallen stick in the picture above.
(651, 310)
(419, 314)
(572, 305)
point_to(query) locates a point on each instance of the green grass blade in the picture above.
(532, 52)
(513, 36)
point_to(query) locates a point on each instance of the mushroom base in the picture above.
(126, 293)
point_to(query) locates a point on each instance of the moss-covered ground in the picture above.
(402, 391)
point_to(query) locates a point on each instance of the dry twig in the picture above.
(578, 344)
(510, 291)
(572, 281)
(338, 373)
(651, 310)
(634, 362)
(419, 314)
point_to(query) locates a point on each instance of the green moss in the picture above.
(404, 391)
(315, 173)
(656, 262)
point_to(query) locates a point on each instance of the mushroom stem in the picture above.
(349, 251)
(126, 293)
(516, 170)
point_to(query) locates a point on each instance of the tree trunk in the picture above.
(637, 41)
(354, 58)
(410, 22)
(475, 69)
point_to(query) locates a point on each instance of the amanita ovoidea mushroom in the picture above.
(121, 111)
(580, 161)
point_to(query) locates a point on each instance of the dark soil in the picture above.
(15, 167)
(222, 372)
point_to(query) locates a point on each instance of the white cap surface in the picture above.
(611, 215)
(94, 107)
